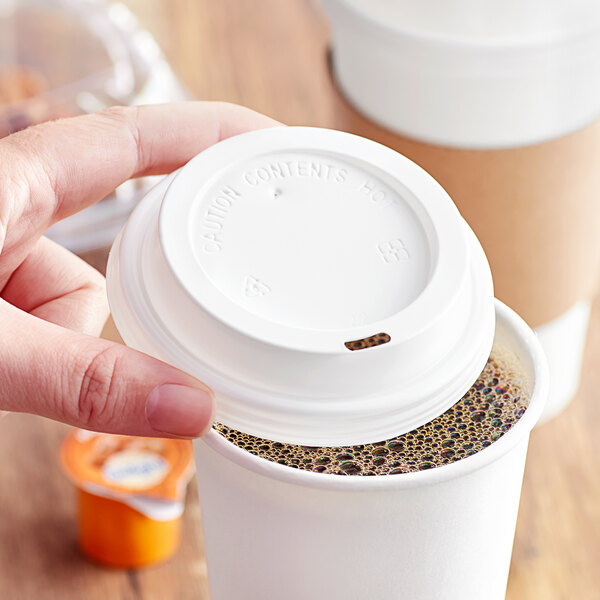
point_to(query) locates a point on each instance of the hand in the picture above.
(52, 303)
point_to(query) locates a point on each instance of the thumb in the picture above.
(95, 384)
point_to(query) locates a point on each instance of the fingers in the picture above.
(57, 286)
(61, 167)
(50, 172)
(95, 384)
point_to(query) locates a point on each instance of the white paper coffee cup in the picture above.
(331, 294)
(274, 532)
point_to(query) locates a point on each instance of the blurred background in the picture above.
(60, 58)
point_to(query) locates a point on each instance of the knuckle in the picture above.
(128, 118)
(98, 388)
(121, 114)
(15, 189)
(95, 281)
(93, 301)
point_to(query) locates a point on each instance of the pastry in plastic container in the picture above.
(61, 58)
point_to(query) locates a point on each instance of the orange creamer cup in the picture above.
(131, 493)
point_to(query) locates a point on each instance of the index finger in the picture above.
(69, 164)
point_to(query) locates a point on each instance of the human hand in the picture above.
(52, 303)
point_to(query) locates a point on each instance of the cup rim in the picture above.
(507, 319)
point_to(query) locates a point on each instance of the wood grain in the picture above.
(272, 56)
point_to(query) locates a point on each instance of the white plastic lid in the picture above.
(470, 73)
(263, 264)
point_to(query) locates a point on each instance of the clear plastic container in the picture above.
(61, 58)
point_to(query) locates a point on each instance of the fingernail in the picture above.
(179, 410)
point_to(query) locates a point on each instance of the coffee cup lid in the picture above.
(323, 285)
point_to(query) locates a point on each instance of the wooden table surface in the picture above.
(271, 55)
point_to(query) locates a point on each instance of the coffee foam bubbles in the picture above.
(493, 404)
